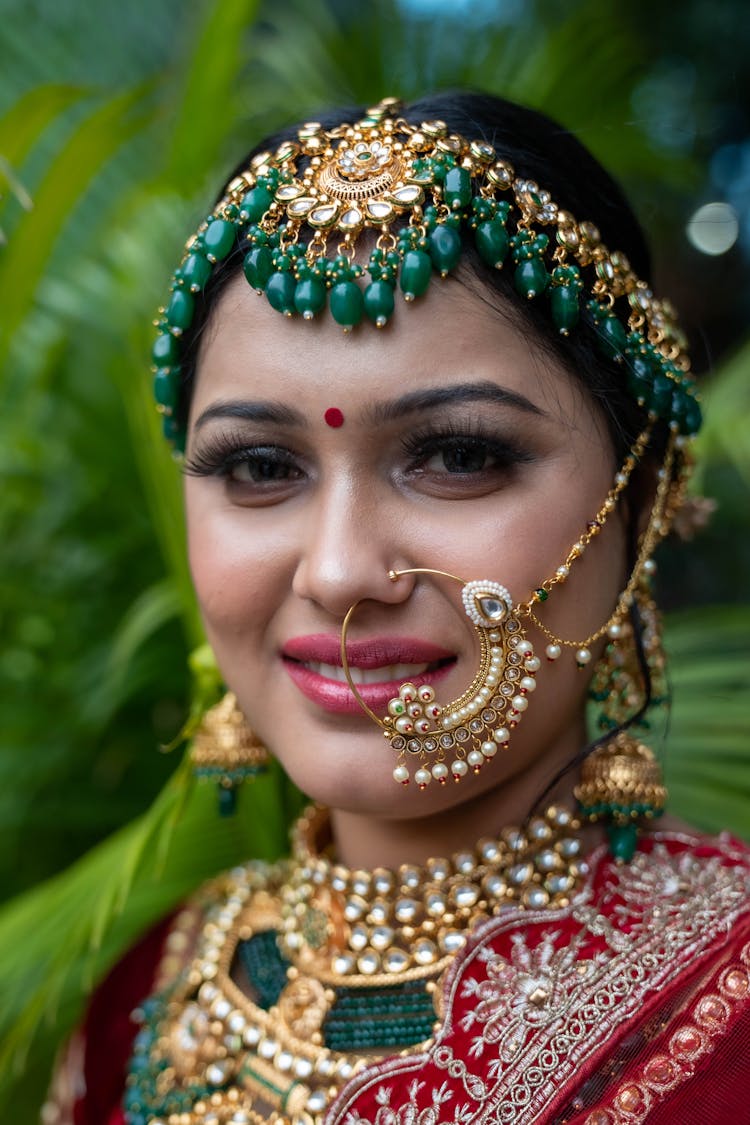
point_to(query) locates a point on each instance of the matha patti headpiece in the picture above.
(298, 215)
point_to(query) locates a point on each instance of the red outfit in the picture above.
(631, 1005)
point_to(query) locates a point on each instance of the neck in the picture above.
(363, 841)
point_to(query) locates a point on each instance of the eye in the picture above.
(453, 453)
(268, 466)
(247, 470)
(461, 457)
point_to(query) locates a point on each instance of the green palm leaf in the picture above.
(208, 98)
(708, 758)
(111, 896)
(66, 180)
(725, 435)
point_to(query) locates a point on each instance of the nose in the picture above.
(348, 546)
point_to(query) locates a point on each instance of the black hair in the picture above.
(541, 150)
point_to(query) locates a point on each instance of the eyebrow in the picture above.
(277, 413)
(417, 401)
(391, 410)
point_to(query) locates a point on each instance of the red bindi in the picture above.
(334, 417)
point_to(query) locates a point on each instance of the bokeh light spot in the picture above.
(713, 228)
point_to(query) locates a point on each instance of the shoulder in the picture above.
(89, 1078)
(676, 870)
(693, 851)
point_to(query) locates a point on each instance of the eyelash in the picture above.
(421, 445)
(220, 454)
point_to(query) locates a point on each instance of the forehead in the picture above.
(449, 335)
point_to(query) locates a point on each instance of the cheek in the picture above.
(585, 601)
(232, 570)
(523, 547)
(522, 539)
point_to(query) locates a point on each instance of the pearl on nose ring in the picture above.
(470, 729)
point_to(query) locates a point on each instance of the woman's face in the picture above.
(462, 448)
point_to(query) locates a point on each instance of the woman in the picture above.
(440, 533)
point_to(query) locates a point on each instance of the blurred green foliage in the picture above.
(115, 128)
(117, 123)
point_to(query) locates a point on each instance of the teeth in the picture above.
(383, 675)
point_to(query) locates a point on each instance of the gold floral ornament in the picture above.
(298, 214)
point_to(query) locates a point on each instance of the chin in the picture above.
(357, 778)
(360, 781)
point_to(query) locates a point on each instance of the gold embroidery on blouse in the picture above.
(539, 1014)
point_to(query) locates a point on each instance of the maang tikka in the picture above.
(304, 217)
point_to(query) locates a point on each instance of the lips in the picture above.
(378, 667)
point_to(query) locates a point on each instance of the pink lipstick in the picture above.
(379, 665)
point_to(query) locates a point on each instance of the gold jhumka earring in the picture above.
(226, 751)
(621, 783)
(621, 780)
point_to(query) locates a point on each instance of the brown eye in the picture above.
(262, 470)
(451, 452)
(245, 466)
(466, 458)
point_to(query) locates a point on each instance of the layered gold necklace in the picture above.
(307, 971)
(349, 927)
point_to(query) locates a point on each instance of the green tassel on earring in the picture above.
(226, 751)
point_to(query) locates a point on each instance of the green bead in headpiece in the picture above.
(299, 215)
(531, 277)
(565, 288)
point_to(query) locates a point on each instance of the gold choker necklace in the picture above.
(354, 927)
